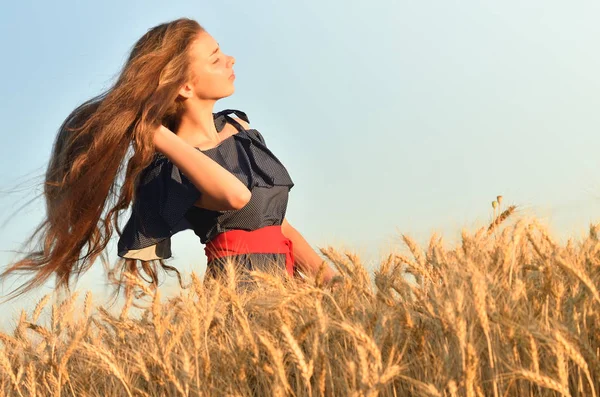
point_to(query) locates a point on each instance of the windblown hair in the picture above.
(88, 153)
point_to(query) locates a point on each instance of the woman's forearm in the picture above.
(206, 174)
(305, 257)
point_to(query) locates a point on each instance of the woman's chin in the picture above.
(231, 91)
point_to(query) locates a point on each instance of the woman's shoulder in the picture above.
(224, 116)
(242, 119)
(242, 122)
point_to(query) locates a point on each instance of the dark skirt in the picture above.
(243, 263)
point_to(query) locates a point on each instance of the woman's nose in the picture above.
(232, 60)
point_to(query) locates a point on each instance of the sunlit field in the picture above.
(506, 312)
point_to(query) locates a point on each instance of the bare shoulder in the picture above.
(242, 123)
(246, 126)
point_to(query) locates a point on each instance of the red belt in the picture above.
(268, 240)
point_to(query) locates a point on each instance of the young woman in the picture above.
(191, 168)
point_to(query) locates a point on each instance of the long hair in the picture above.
(88, 153)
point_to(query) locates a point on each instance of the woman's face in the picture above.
(212, 70)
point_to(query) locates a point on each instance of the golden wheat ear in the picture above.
(501, 218)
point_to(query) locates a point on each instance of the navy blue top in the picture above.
(164, 201)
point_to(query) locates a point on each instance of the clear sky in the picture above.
(391, 116)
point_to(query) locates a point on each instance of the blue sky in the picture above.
(391, 116)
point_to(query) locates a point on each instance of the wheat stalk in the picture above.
(581, 275)
(31, 380)
(534, 353)
(366, 340)
(426, 388)
(543, 381)
(576, 356)
(6, 365)
(277, 357)
(321, 373)
(109, 361)
(39, 307)
(306, 369)
(501, 218)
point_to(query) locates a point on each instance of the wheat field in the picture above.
(506, 312)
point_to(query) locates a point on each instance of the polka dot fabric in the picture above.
(165, 197)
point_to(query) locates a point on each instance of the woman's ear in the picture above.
(186, 91)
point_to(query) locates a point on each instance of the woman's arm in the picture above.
(224, 190)
(305, 257)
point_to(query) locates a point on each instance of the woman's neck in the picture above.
(197, 125)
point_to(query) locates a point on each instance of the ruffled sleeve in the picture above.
(176, 193)
(163, 196)
(259, 136)
(267, 169)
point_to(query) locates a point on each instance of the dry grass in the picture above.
(508, 313)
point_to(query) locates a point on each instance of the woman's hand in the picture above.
(334, 283)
